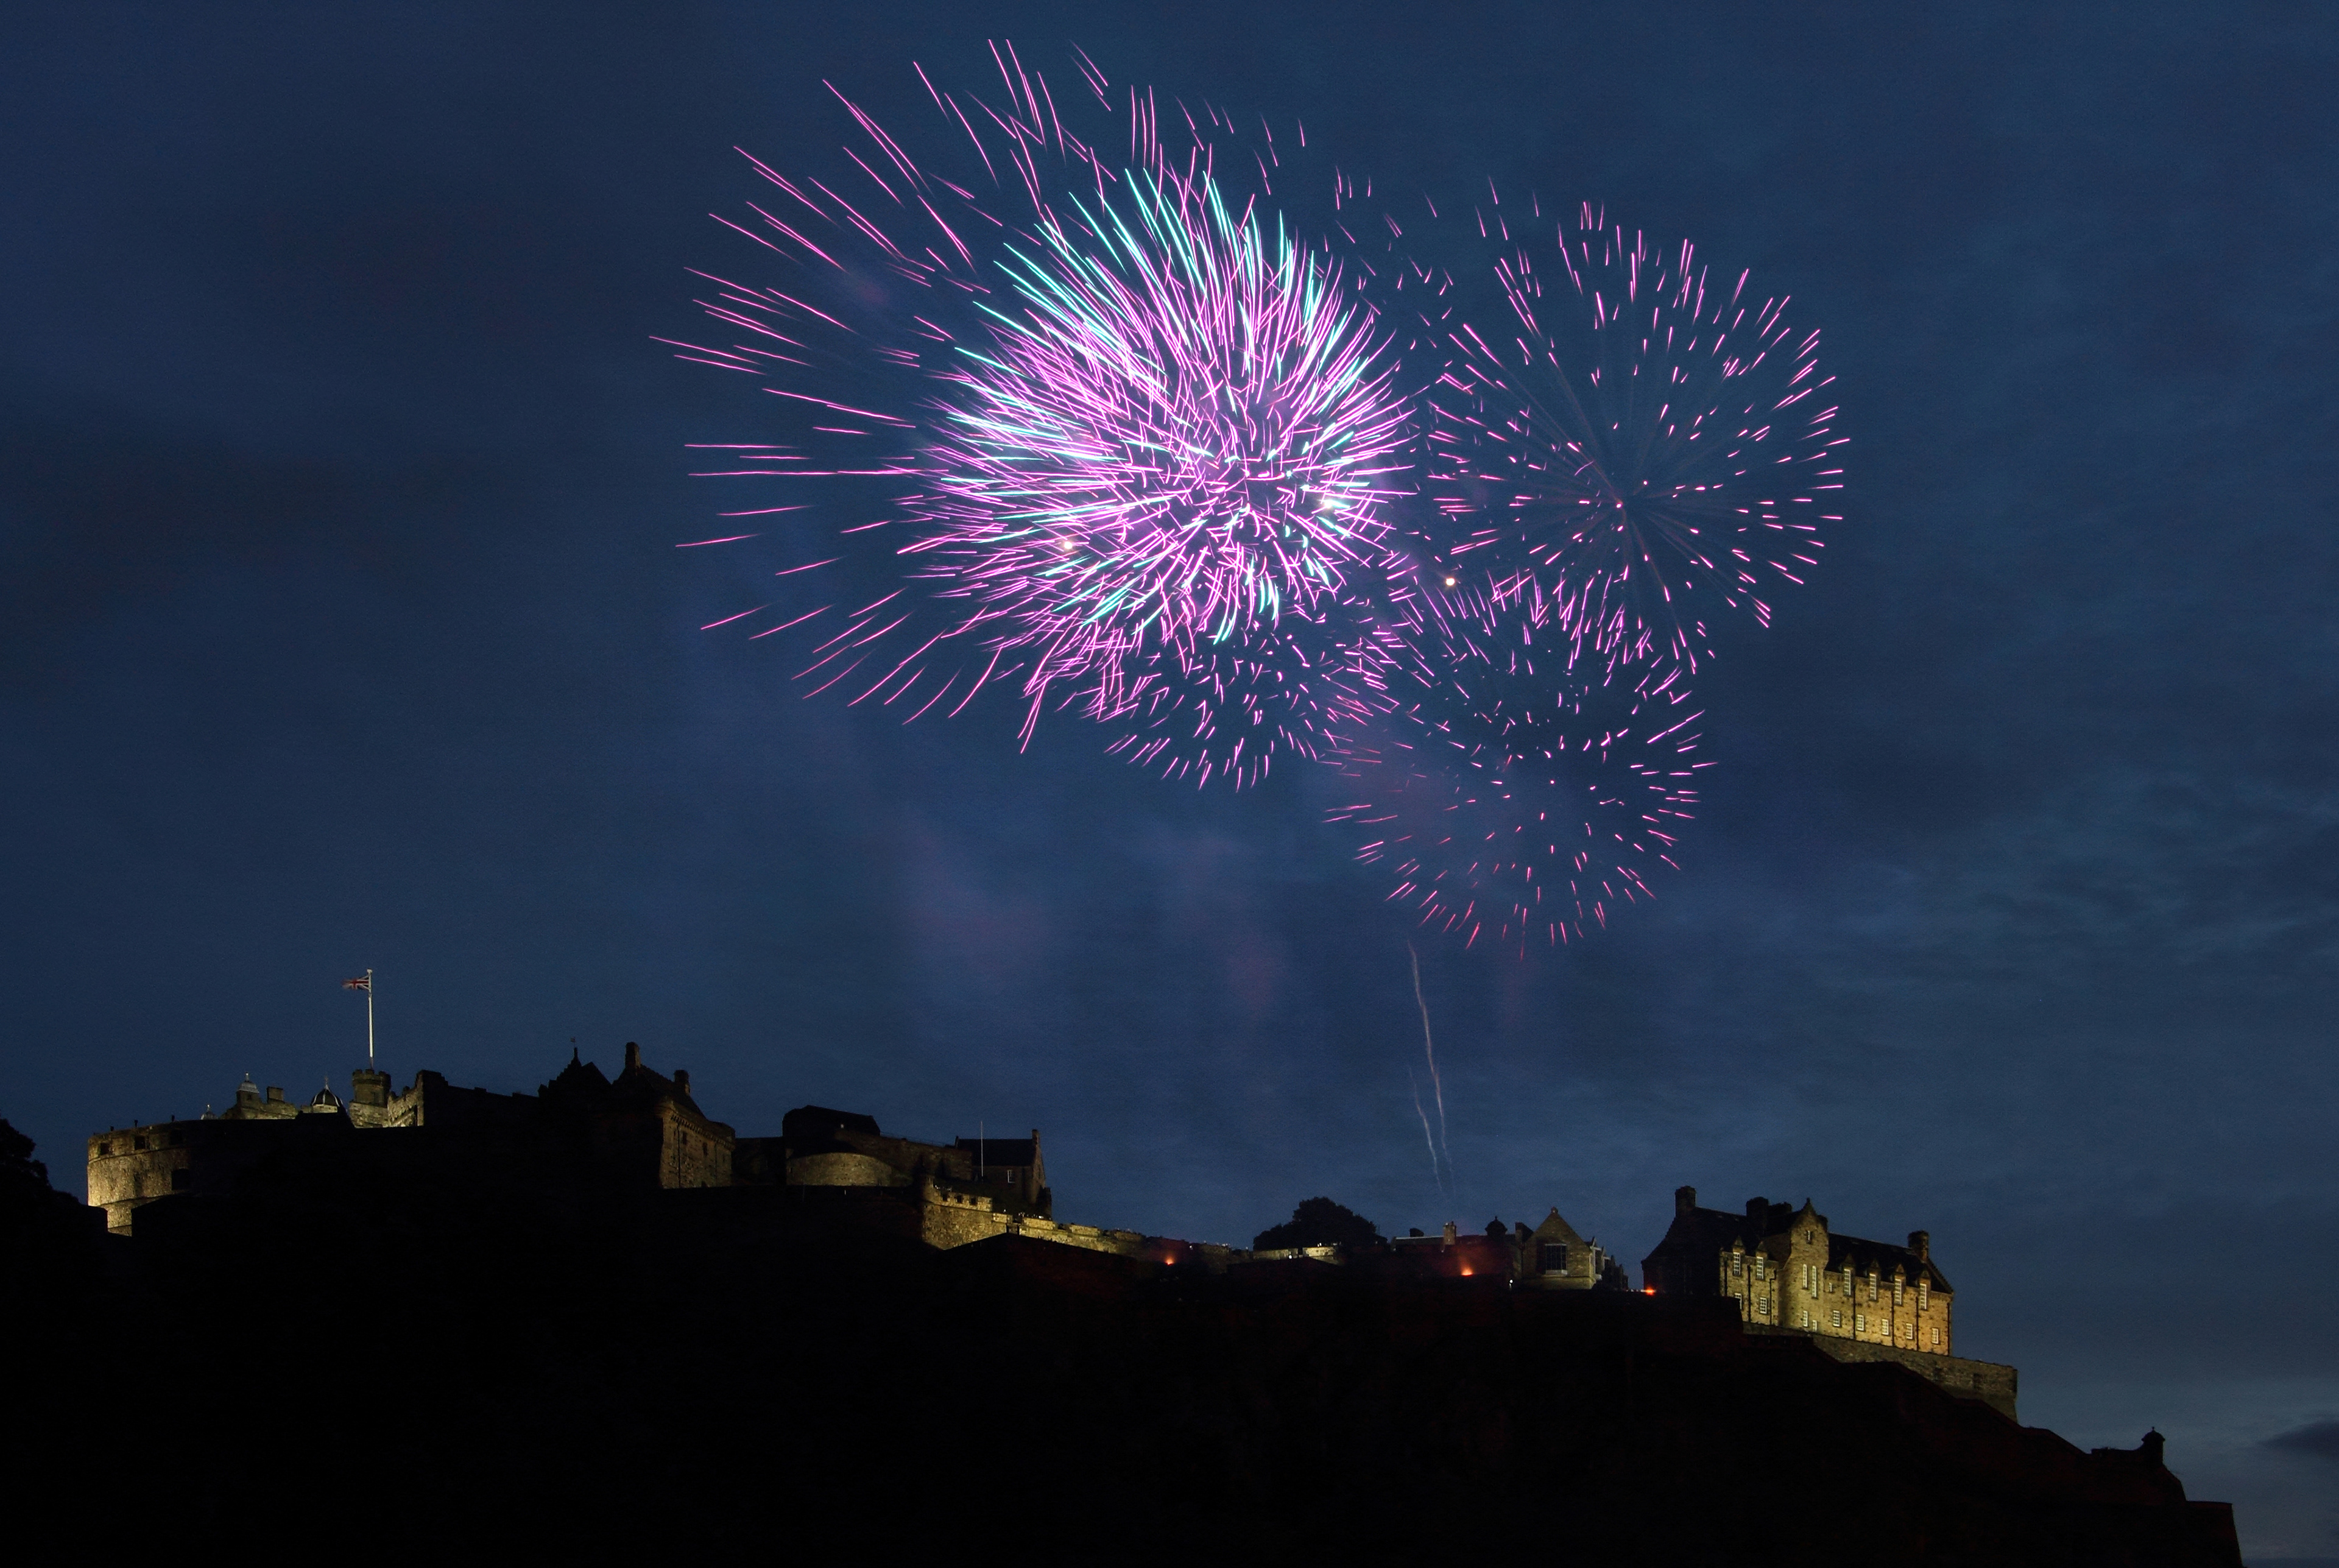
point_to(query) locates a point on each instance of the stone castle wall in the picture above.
(1988, 1381)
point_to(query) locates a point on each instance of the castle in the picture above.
(638, 1130)
(1785, 1270)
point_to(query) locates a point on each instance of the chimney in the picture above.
(1684, 1199)
(1920, 1242)
(276, 1094)
(682, 1081)
(1449, 1233)
(633, 1056)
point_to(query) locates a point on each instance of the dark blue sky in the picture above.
(340, 625)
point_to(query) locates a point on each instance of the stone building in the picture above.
(965, 1190)
(1786, 1270)
(821, 1147)
(642, 1127)
(131, 1167)
(642, 1124)
(1790, 1273)
(1552, 1256)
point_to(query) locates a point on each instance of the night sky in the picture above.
(342, 625)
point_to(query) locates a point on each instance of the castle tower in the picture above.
(369, 1098)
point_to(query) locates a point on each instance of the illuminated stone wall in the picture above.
(1787, 1270)
(134, 1166)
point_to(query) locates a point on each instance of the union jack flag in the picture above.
(362, 982)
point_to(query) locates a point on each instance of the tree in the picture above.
(1319, 1222)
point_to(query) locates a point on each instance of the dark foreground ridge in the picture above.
(406, 1357)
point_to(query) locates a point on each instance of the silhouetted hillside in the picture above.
(403, 1364)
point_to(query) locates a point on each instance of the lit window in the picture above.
(1859, 1322)
(1835, 1320)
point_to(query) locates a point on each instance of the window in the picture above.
(1555, 1257)
(1896, 1293)
(1737, 1264)
(1835, 1320)
(105, 1148)
(1859, 1322)
(1758, 1267)
(138, 1143)
(1924, 1289)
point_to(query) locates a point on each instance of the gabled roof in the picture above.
(1555, 1228)
(1883, 1258)
(578, 1078)
(1700, 1233)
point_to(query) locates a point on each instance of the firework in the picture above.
(1158, 480)
(1519, 813)
(1099, 434)
(1631, 449)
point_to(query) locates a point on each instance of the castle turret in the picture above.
(368, 1097)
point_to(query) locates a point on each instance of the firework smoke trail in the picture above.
(1160, 478)
(1440, 1160)
(1631, 448)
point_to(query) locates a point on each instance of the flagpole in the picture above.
(369, 1021)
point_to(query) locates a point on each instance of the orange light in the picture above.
(1649, 1290)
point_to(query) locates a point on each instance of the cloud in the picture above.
(2316, 1439)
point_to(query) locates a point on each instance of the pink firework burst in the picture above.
(1525, 818)
(1160, 478)
(1633, 447)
